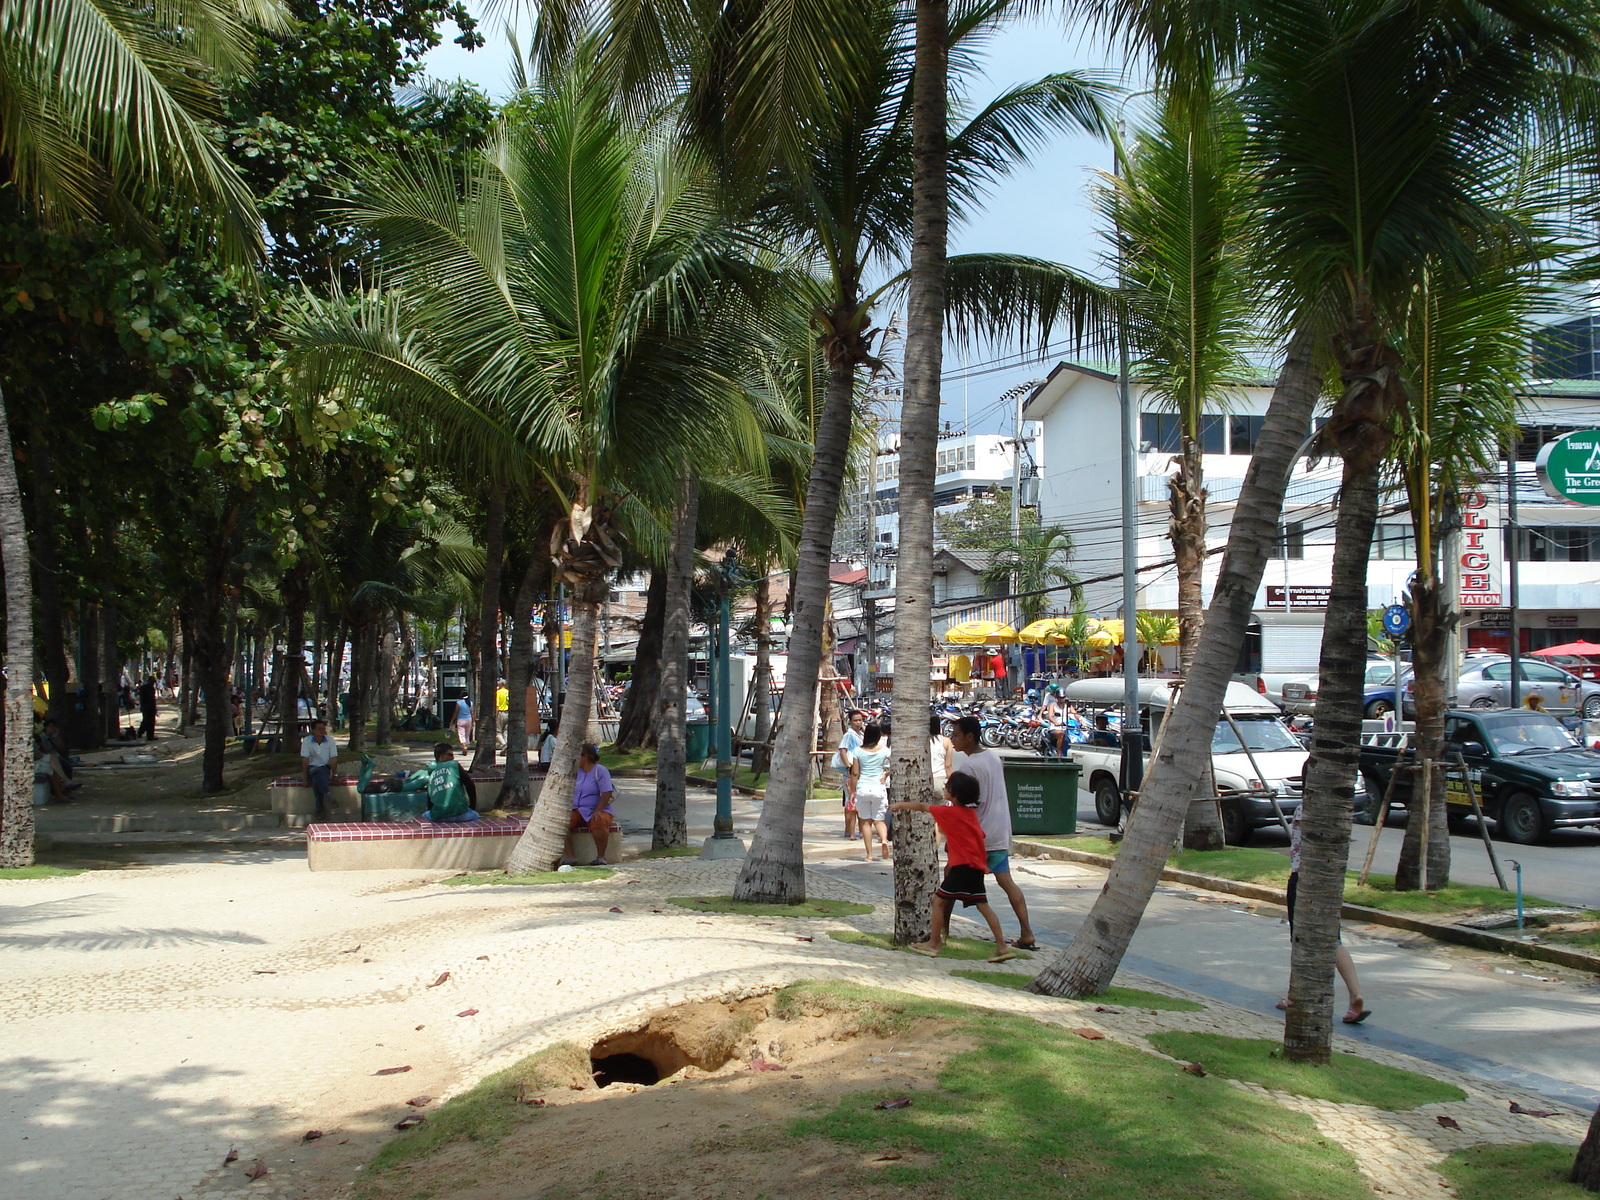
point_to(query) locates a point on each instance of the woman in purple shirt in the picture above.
(591, 803)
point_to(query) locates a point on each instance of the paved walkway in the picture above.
(156, 1019)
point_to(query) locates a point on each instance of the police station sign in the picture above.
(1569, 467)
(1480, 552)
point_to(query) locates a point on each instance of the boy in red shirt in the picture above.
(967, 863)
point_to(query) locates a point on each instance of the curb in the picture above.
(1460, 935)
(824, 804)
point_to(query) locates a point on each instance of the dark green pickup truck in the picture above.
(1531, 776)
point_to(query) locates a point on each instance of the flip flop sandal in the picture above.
(1357, 1018)
(1023, 946)
(1003, 956)
(924, 951)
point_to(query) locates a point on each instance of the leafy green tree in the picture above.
(982, 523)
(1036, 560)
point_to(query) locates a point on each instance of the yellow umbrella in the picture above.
(1054, 630)
(1099, 638)
(1111, 626)
(979, 633)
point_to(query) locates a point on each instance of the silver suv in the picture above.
(1488, 685)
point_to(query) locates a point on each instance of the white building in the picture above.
(1559, 567)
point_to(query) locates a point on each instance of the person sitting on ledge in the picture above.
(451, 794)
(591, 803)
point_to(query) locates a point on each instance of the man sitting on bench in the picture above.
(451, 794)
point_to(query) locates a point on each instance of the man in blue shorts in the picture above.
(994, 814)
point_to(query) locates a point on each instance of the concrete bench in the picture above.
(414, 845)
(296, 806)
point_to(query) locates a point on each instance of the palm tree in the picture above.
(1464, 340)
(852, 212)
(553, 300)
(1034, 563)
(102, 109)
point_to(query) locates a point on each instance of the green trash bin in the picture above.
(696, 742)
(1043, 794)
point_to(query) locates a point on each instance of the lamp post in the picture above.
(722, 843)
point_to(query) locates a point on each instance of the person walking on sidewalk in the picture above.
(967, 864)
(844, 763)
(1358, 1010)
(319, 758)
(464, 722)
(871, 778)
(147, 708)
(994, 814)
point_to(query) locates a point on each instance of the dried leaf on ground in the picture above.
(1104, 1009)
(443, 975)
(613, 908)
(232, 1156)
(897, 1102)
(311, 1135)
(467, 1012)
(419, 1101)
(798, 937)
(1532, 1112)
(888, 1156)
(1093, 1035)
(263, 972)
(392, 1071)
(483, 958)
(257, 1170)
(757, 1063)
(1447, 1122)
(352, 950)
(409, 1122)
(1194, 1069)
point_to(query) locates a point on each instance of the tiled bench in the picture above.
(417, 845)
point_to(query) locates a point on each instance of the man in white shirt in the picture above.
(843, 760)
(319, 759)
(994, 814)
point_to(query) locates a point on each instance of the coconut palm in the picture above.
(1464, 341)
(554, 298)
(852, 211)
(1032, 564)
(102, 110)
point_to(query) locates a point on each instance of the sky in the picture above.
(1041, 210)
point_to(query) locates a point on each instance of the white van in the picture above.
(1270, 756)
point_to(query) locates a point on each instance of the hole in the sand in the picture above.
(624, 1068)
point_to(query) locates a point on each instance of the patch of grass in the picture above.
(672, 852)
(1244, 864)
(37, 871)
(500, 878)
(1033, 1112)
(970, 949)
(1533, 1172)
(1456, 898)
(489, 1111)
(1348, 1079)
(1130, 997)
(810, 908)
(871, 1010)
(1578, 939)
(1089, 845)
(642, 759)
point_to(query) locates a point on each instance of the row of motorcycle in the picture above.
(1017, 724)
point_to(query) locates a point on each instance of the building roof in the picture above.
(845, 576)
(973, 560)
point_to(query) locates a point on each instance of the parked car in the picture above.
(1300, 694)
(1487, 684)
(1529, 774)
(1268, 747)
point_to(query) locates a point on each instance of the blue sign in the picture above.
(1396, 620)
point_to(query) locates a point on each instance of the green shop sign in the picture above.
(1569, 467)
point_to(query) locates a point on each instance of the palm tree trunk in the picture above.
(296, 599)
(916, 864)
(89, 678)
(514, 789)
(484, 713)
(47, 578)
(1330, 774)
(384, 691)
(16, 800)
(1430, 625)
(361, 656)
(341, 634)
(774, 870)
(671, 827)
(761, 678)
(1202, 824)
(1086, 966)
(542, 841)
(186, 688)
(641, 704)
(214, 654)
(1586, 1167)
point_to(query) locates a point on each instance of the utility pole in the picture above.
(1511, 549)
(1452, 599)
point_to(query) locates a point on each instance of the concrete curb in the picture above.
(1460, 935)
(825, 804)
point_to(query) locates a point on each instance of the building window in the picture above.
(1558, 543)
(1394, 541)
(1531, 438)
(1243, 433)
(1291, 541)
(1161, 432)
(1213, 435)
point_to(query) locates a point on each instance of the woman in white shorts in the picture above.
(871, 773)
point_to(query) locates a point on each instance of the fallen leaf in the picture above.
(708, 922)
(257, 1170)
(311, 1135)
(1532, 1112)
(421, 1026)
(369, 960)
(798, 937)
(419, 1101)
(897, 1102)
(1093, 1035)
(797, 1077)
(757, 1063)
(233, 1156)
(409, 1122)
(392, 1071)
(352, 950)
(263, 972)
(443, 975)
(467, 1012)
(344, 1141)
(656, 910)
(887, 1156)
(524, 1098)
(1447, 1122)
(1194, 1069)
(1104, 1009)
(483, 958)
(613, 908)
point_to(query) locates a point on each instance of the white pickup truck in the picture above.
(1269, 756)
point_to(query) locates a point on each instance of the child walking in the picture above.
(957, 819)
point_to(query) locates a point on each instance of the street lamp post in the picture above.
(722, 843)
